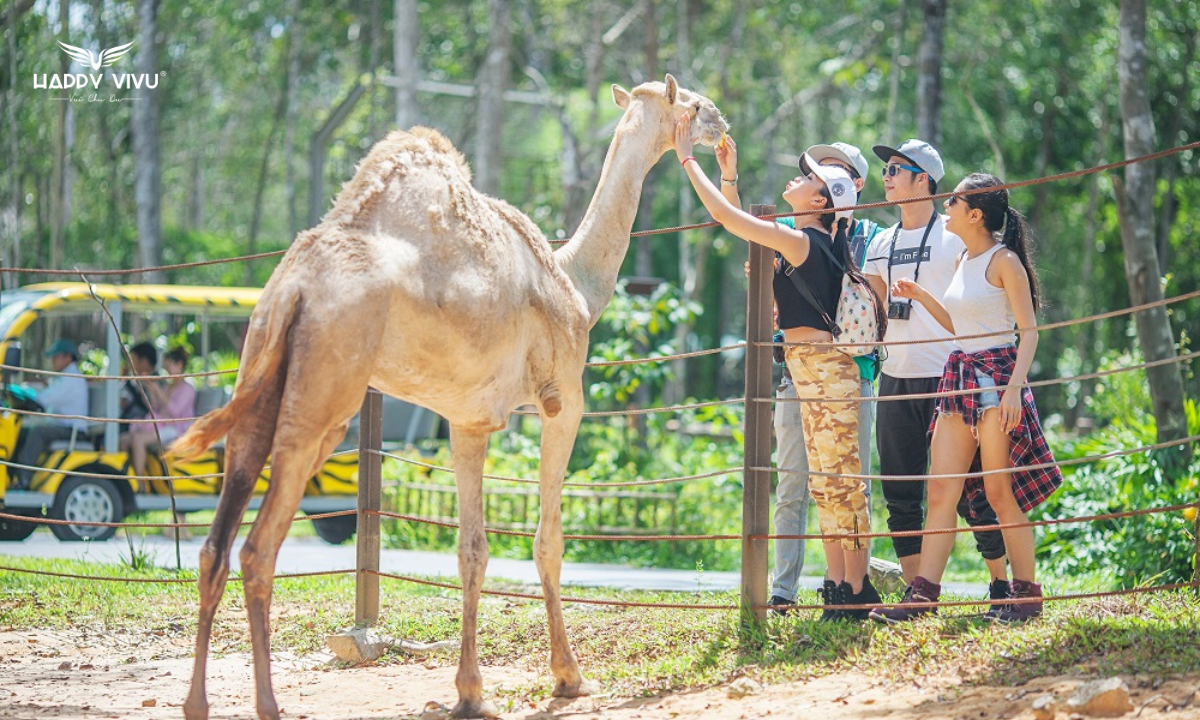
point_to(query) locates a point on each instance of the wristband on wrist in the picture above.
(685, 160)
(730, 182)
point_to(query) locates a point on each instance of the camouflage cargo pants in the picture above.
(831, 439)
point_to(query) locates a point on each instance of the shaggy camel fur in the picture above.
(419, 285)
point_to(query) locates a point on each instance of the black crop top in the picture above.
(822, 277)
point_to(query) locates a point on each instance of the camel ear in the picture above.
(620, 96)
(672, 88)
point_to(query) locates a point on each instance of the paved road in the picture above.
(309, 554)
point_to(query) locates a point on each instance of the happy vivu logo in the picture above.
(94, 62)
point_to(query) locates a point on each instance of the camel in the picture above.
(419, 285)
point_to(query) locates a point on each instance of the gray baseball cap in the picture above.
(840, 151)
(919, 153)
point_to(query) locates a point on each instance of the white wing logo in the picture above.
(95, 62)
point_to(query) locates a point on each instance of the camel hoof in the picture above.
(583, 688)
(474, 709)
(195, 710)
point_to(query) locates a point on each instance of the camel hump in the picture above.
(393, 157)
(441, 144)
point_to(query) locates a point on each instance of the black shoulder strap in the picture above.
(814, 238)
(807, 293)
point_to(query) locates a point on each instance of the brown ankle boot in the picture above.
(923, 591)
(1019, 612)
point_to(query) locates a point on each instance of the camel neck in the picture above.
(594, 255)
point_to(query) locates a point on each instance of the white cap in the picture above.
(919, 153)
(840, 151)
(841, 186)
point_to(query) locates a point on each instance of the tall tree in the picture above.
(404, 49)
(60, 191)
(689, 273)
(1136, 204)
(10, 217)
(894, 74)
(494, 78)
(295, 37)
(146, 146)
(929, 81)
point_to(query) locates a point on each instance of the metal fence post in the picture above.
(756, 494)
(370, 497)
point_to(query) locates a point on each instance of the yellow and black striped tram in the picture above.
(88, 478)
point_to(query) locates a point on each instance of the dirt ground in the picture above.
(76, 675)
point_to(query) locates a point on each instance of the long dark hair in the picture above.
(998, 215)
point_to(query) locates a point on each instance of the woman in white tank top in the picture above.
(994, 289)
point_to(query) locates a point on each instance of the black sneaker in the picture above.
(780, 606)
(998, 590)
(868, 596)
(832, 595)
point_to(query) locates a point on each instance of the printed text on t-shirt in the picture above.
(908, 256)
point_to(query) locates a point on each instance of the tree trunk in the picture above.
(260, 188)
(894, 79)
(929, 82)
(60, 190)
(295, 37)
(10, 218)
(374, 60)
(494, 79)
(195, 206)
(148, 187)
(688, 275)
(645, 216)
(1137, 225)
(404, 49)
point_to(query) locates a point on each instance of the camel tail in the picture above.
(267, 357)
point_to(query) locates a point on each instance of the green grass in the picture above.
(637, 651)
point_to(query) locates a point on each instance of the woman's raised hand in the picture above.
(726, 151)
(683, 137)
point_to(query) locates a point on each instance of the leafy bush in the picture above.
(1128, 552)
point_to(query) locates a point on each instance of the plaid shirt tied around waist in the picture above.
(1028, 447)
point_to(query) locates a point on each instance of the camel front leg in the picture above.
(469, 449)
(558, 439)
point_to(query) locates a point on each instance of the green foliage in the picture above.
(1128, 552)
(636, 326)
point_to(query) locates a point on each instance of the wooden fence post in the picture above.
(370, 497)
(756, 494)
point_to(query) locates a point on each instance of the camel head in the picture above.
(661, 104)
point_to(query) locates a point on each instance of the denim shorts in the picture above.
(989, 399)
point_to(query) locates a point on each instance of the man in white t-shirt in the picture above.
(920, 249)
(66, 394)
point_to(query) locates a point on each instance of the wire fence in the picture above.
(362, 513)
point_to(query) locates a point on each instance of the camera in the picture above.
(899, 310)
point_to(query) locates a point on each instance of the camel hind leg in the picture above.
(295, 458)
(248, 446)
